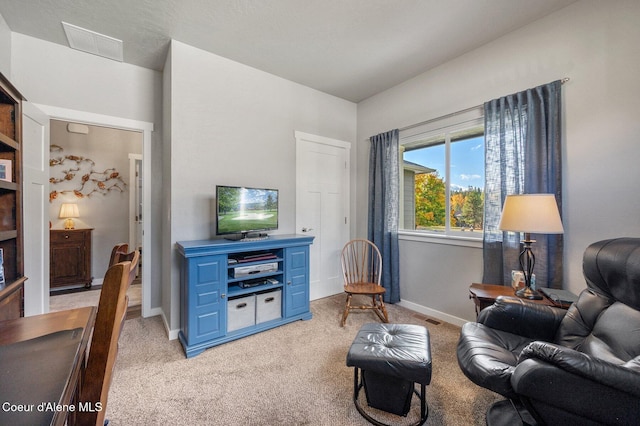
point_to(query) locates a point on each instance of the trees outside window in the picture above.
(450, 199)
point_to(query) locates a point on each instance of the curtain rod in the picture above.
(422, 123)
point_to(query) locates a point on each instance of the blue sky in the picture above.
(467, 162)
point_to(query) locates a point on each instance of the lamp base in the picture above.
(68, 224)
(528, 293)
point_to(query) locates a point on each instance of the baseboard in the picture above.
(433, 313)
(153, 312)
(171, 334)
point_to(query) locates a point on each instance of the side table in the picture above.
(484, 295)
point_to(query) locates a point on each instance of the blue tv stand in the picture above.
(211, 280)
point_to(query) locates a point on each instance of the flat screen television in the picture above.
(243, 211)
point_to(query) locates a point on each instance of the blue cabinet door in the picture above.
(204, 290)
(296, 289)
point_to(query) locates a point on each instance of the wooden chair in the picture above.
(96, 378)
(119, 253)
(362, 272)
(118, 250)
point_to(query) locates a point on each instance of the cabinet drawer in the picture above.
(64, 236)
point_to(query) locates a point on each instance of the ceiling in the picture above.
(352, 49)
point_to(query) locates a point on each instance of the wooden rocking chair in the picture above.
(362, 271)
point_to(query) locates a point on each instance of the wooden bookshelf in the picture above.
(11, 225)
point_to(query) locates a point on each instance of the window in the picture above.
(443, 176)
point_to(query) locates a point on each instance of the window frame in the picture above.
(411, 137)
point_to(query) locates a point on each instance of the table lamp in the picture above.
(67, 212)
(531, 214)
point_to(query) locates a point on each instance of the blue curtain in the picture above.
(384, 207)
(522, 156)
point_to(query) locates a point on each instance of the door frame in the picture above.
(36, 248)
(133, 183)
(144, 127)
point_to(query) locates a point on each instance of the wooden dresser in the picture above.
(70, 255)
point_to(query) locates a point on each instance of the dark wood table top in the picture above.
(490, 292)
(20, 331)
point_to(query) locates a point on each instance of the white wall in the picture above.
(233, 124)
(57, 76)
(51, 74)
(595, 44)
(5, 48)
(167, 290)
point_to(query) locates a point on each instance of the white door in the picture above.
(35, 159)
(322, 207)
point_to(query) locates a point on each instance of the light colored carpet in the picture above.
(292, 375)
(90, 298)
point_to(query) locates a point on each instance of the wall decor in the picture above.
(75, 158)
(89, 181)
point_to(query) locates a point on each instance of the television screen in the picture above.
(244, 210)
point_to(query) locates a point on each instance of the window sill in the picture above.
(451, 240)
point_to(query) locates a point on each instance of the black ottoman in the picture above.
(392, 357)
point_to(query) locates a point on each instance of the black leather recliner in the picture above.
(580, 366)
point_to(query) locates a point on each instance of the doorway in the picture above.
(90, 167)
(145, 128)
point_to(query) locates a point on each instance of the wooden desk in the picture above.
(21, 331)
(484, 295)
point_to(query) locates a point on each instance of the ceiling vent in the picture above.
(92, 42)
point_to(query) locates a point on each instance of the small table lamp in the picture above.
(530, 213)
(67, 212)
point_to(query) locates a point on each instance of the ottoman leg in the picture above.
(424, 409)
(358, 384)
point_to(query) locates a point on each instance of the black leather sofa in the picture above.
(556, 367)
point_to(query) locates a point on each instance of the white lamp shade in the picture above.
(69, 210)
(532, 213)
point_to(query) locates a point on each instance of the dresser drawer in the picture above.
(67, 236)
